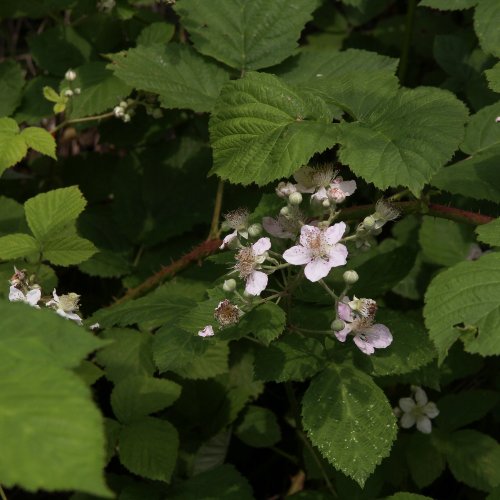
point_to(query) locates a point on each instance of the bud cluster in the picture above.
(121, 111)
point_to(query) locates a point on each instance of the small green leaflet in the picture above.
(246, 35)
(493, 77)
(262, 129)
(347, 416)
(489, 233)
(486, 22)
(11, 86)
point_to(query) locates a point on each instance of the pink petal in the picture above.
(308, 233)
(297, 255)
(320, 194)
(274, 228)
(407, 404)
(334, 233)
(261, 245)
(424, 424)
(228, 240)
(338, 255)
(364, 346)
(317, 269)
(208, 331)
(256, 283)
(378, 336)
(345, 312)
(348, 187)
(342, 335)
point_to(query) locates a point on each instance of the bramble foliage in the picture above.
(254, 247)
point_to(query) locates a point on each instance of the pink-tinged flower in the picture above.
(208, 331)
(367, 336)
(248, 262)
(418, 411)
(32, 297)
(336, 192)
(319, 250)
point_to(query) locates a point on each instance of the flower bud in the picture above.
(70, 75)
(118, 111)
(369, 222)
(157, 113)
(77, 91)
(337, 325)
(295, 198)
(326, 203)
(126, 118)
(229, 285)
(255, 230)
(68, 93)
(285, 211)
(350, 277)
(123, 104)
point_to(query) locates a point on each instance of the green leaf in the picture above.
(49, 213)
(348, 417)
(106, 264)
(137, 396)
(477, 176)
(159, 32)
(493, 77)
(267, 322)
(212, 453)
(11, 86)
(486, 22)
(221, 483)
(444, 242)
(404, 495)
(34, 107)
(489, 233)
(246, 35)
(402, 138)
(181, 77)
(263, 130)
(448, 4)
(148, 447)
(101, 90)
(67, 249)
(459, 410)
(465, 296)
(14, 246)
(13, 148)
(40, 140)
(129, 354)
(289, 358)
(51, 95)
(259, 427)
(410, 349)
(11, 216)
(425, 460)
(51, 432)
(474, 459)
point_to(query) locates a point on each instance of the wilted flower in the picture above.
(319, 250)
(384, 212)
(237, 220)
(227, 314)
(419, 410)
(309, 179)
(367, 336)
(18, 277)
(32, 297)
(248, 262)
(66, 305)
(208, 331)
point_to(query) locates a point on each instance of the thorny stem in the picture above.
(294, 406)
(405, 51)
(214, 226)
(81, 120)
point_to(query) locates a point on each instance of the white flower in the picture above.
(32, 297)
(208, 331)
(248, 263)
(419, 410)
(319, 250)
(497, 119)
(66, 305)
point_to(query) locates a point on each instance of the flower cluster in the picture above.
(120, 111)
(416, 410)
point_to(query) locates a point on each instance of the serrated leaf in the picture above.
(148, 447)
(212, 453)
(259, 427)
(106, 264)
(40, 140)
(493, 77)
(267, 322)
(263, 130)
(482, 471)
(347, 416)
(137, 396)
(486, 22)
(67, 249)
(489, 233)
(425, 460)
(403, 138)
(246, 35)
(50, 212)
(289, 358)
(182, 78)
(448, 4)
(11, 86)
(482, 131)
(14, 246)
(159, 32)
(12, 150)
(464, 296)
(101, 90)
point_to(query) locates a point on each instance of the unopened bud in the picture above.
(126, 118)
(70, 75)
(123, 104)
(369, 222)
(285, 211)
(68, 93)
(255, 230)
(295, 198)
(77, 91)
(157, 113)
(229, 285)
(326, 203)
(118, 111)
(350, 277)
(337, 325)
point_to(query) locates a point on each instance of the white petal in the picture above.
(334, 233)
(56, 297)
(274, 228)
(379, 336)
(261, 245)
(256, 283)
(69, 315)
(407, 420)
(364, 346)
(297, 255)
(208, 331)
(348, 187)
(319, 195)
(33, 296)
(431, 410)
(407, 404)
(338, 255)
(228, 240)
(317, 269)
(420, 396)
(424, 424)
(15, 295)
(307, 234)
